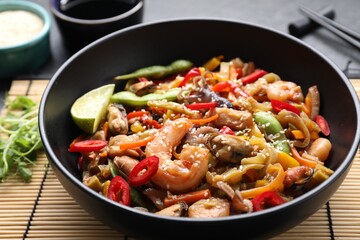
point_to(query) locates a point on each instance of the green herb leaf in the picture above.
(20, 138)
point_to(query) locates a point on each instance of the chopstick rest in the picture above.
(305, 25)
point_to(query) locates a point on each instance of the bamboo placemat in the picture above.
(42, 209)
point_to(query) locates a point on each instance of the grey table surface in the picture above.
(276, 14)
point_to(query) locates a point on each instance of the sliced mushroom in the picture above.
(125, 163)
(142, 88)
(176, 210)
(234, 119)
(198, 136)
(229, 148)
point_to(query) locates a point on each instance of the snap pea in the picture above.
(139, 200)
(158, 71)
(273, 130)
(131, 99)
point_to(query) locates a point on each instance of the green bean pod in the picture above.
(273, 130)
(158, 71)
(131, 99)
(139, 200)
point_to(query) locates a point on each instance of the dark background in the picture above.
(277, 14)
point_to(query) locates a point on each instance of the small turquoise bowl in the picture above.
(27, 56)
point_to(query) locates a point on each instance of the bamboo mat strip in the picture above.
(42, 209)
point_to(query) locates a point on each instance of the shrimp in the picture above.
(183, 174)
(285, 91)
(210, 208)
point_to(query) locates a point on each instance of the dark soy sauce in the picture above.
(92, 10)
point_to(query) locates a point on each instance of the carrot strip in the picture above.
(106, 129)
(301, 160)
(187, 197)
(139, 143)
(204, 120)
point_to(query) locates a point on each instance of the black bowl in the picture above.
(198, 40)
(83, 26)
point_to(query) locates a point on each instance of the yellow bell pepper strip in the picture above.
(131, 99)
(275, 170)
(287, 161)
(273, 130)
(213, 63)
(204, 120)
(158, 71)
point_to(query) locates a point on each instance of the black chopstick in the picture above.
(343, 32)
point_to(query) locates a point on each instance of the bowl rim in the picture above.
(90, 22)
(30, 7)
(342, 168)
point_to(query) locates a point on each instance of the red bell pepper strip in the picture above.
(226, 130)
(266, 200)
(280, 105)
(144, 171)
(119, 191)
(199, 106)
(252, 77)
(238, 91)
(87, 146)
(221, 86)
(323, 124)
(239, 72)
(191, 74)
(231, 87)
(147, 120)
(134, 114)
(143, 79)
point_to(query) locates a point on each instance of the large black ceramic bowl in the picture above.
(198, 40)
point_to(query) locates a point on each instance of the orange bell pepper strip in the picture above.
(287, 161)
(275, 170)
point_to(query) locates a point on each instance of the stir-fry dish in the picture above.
(206, 141)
